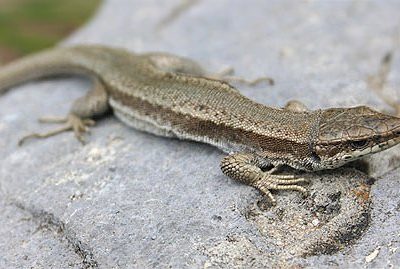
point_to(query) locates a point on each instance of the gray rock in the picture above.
(133, 200)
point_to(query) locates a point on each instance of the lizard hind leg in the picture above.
(228, 75)
(172, 63)
(296, 106)
(71, 122)
(94, 103)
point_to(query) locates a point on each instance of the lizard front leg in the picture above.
(94, 103)
(246, 167)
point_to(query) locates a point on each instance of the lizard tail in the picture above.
(40, 65)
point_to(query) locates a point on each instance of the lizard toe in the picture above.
(280, 182)
(72, 122)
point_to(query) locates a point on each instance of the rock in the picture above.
(133, 200)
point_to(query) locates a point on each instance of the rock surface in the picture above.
(132, 200)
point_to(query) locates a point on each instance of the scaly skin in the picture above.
(172, 96)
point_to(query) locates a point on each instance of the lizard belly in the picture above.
(156, 123)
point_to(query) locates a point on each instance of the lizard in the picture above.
(173, 96)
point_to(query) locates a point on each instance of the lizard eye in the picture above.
(359, 144)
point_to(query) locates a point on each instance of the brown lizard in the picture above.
(173, 96)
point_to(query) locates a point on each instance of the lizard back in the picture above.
(175, 104)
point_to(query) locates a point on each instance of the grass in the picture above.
(31, 25)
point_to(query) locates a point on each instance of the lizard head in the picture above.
(346, 134)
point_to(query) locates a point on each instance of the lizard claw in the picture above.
(71, 122)
(280, 182)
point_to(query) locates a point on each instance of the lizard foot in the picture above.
(71, 122)
(228, 76)
(270, 182)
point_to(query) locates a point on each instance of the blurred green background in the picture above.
(31, 25)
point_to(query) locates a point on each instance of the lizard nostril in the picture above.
(315, 157)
